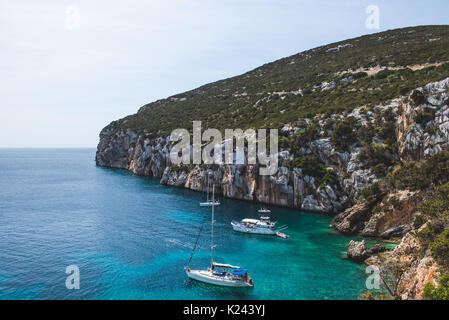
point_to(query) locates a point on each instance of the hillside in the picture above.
(364, 133)
(326, 79)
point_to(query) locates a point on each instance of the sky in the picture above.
(68, 68)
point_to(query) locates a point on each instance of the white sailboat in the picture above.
(229, 276)
(209, 203)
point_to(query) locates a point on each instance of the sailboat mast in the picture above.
(212, 231)
(207, 192)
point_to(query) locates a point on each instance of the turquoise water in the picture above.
(131, 237)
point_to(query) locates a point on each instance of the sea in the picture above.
(128, 237)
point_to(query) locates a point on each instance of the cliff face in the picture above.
(348, 117)
(416, 142)
(422, 141)
(420, 268)
(290, 186)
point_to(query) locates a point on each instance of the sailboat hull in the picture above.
(224, 281)
(209, 204)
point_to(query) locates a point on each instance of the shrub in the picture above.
(439, 293)
(440, 248)
(417, 97)
(419, 221)
(310, 166)
(436, 169)
(410, 176)
(424, 117)
(377, 157)
(284, 142)
(383, 74)
(366, 133)
(371, 295)
(344, 133)
(404, 90)
(329, 124)
(435, 236)
(302, 138)
(371, 192)
(431, 131)
(359, 75)
(385, 126)
(329, 178)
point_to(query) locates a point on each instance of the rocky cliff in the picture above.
(290, 186)
(416, 142)
(350, 115)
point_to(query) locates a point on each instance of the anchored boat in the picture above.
(237, 278)
(264, 225)
(264, 210)
(208, 202)
(229, 276)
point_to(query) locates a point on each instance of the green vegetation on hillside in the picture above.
(344, 134)
(433, 222)
(439, 293)
(413, 176)
(304, 85)
(435, 234)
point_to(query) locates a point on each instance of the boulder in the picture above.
(378, 248)
(357, 251)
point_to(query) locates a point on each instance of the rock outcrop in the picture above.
(357, 251)
(420, 267)
(391, 217)
(290, 186)
(377, 248)
(419, 141)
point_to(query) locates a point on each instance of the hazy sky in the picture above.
(68, 68)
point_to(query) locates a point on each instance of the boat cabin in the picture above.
(264, 222)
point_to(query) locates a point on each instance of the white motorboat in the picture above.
(236, 277)
(264, 210)
(259, 226)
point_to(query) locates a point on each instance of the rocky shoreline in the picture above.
(292, 186)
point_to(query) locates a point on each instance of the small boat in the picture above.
(259, 226)
(282, 235)
(264, 210)
(208, 202)
(229, 276)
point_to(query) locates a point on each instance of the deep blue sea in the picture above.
(132, 237)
